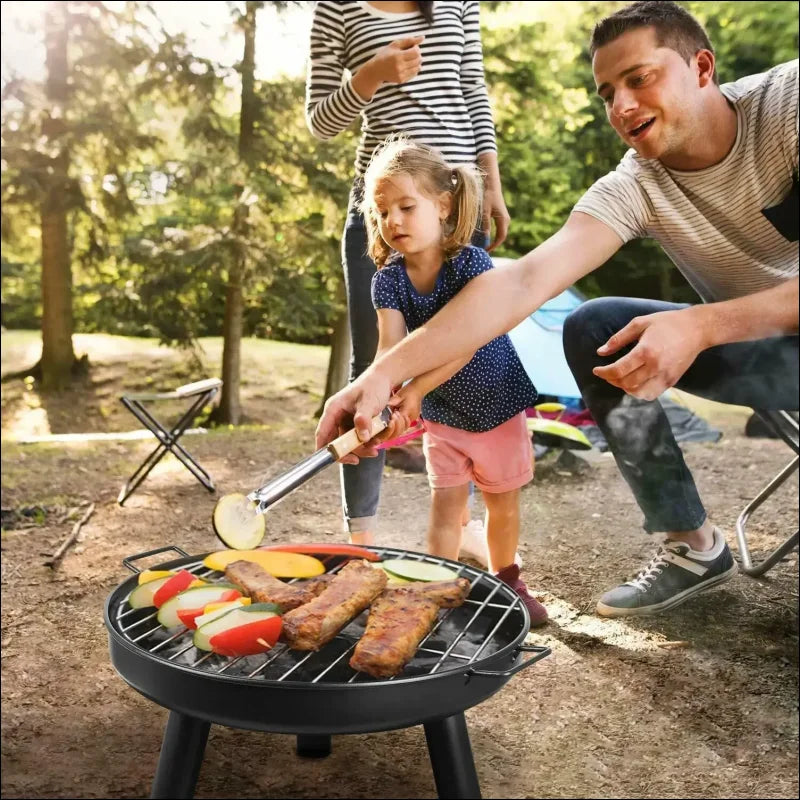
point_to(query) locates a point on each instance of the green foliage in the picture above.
(555, 141)
(156, 178)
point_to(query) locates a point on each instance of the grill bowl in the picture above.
(470, 654)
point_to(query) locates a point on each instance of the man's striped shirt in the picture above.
(710, 221)
(445, 105)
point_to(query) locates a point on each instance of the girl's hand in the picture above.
(407, 402)
(494, 208)
(399, 61)
(398, 424)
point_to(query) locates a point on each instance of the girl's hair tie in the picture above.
(453, 178)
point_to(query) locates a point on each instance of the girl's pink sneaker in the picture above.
(510, 576)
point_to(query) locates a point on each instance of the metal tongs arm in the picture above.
(279, 487)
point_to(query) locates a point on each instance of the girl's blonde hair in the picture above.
(433, 176)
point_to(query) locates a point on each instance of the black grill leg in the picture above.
(451, 758)
(312, 746)
(181, 756)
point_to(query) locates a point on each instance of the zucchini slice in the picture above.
(418, 570)
(236, 522)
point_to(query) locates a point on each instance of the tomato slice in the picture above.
(249, 639)
(352, 550)
(177, 583)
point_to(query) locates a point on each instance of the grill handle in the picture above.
(135, 570)
(540, 651)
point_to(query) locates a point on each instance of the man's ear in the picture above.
(705, 67)
(445, 205)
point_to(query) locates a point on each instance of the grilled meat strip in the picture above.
(353, 588)
(262, 587)
(446, 594)
(399, 620)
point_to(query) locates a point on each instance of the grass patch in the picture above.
(280, 382)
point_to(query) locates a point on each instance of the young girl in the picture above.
(402, 66)
(420, 213)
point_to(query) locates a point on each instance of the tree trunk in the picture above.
(58, 356)
(229, 410)
(339, 361)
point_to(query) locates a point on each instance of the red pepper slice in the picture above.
(177, 583)
(249, 639)
(352, 550)
(188, 616)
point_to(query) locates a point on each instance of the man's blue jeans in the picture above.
(361, 483)
(762, 374)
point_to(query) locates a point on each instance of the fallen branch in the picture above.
(76, 529)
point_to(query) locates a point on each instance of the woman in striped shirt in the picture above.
(414, 68)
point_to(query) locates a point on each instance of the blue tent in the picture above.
(537, 340)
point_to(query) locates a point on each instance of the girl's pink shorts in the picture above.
(498, 460)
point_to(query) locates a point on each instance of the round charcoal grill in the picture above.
(470, 653)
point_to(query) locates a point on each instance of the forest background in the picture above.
(150, 189)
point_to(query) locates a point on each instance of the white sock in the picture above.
(710, 555)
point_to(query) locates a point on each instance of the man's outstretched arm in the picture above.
(491, 304)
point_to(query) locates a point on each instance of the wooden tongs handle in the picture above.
(349, 441)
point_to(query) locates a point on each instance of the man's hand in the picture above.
(668, 342)
(357, 403)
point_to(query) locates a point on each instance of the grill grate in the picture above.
(460, 636)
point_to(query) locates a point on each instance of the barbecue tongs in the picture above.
(270, 493)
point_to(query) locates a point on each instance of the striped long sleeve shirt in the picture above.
(445, 105)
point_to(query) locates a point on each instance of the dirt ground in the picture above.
(698, 702)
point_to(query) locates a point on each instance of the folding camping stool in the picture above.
(200, 393)
(786, 427)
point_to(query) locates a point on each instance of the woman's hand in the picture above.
(494, 208)
(397, 62)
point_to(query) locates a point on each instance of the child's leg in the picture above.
(444, 529)
(502, 527)
(466, 513)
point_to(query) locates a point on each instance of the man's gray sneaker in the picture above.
(674, 574)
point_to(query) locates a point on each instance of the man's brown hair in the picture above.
(674, 27)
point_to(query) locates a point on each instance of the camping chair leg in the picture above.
(741, 524)
(168, 441)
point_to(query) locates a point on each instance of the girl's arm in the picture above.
(408, 400)
(423, 384)
(391, 329)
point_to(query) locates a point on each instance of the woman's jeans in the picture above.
(761, 374)
(361, 483)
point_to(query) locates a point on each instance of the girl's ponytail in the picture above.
(465, 212)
